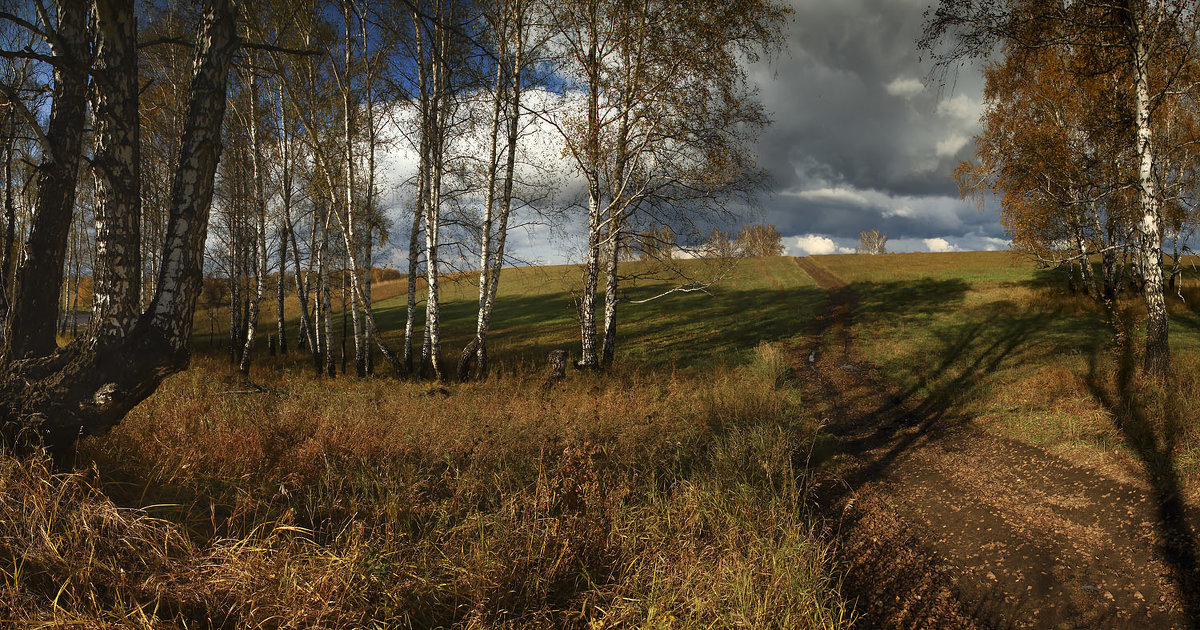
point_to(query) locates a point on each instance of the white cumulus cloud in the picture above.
(962, 107)
(904, 87)
(815, 244)
(949, 147)
(939, 245)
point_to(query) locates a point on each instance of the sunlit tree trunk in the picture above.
(1158, 352)
(431, 350)
(506, 199)
(260, 264)
(91, 384)
(611, 249)
(350, 222)
(370, 224)
(414, 243)
(470, 352)
(591, 267)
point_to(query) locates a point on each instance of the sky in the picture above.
(861, 139)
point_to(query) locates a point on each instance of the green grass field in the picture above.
(992, 337)
(759, 299)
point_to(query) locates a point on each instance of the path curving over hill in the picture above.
(940, 524)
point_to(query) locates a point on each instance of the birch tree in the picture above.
(509, 24)
(89, 385)
(663, 125)
(1145, 46)
(30, 323)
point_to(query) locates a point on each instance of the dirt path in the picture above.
(942, 525)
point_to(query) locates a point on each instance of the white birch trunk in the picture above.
(1158, 353)
(360, 365)
(260, 264)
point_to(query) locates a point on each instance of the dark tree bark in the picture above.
(89, 385)
(116, 160)
(29, 329)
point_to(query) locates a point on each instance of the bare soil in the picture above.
(940, 524)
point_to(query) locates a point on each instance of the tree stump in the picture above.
(557, 369)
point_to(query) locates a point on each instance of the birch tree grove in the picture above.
(509, 24)
(89, 385)
(117, 151)
(662, 132)
(1144, 53)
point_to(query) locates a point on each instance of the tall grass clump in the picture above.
(632, 499)
(772, 363)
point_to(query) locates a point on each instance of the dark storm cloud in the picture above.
(859, 141)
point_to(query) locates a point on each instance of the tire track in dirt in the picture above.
(940, 524)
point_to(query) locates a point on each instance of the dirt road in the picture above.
(942, 525)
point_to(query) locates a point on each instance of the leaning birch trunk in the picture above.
(1158, 352)
(260, 243)
(419, 205)
(616, 218)
(358, 297)
(368, 238)
(481, 364)
(303, 285)
(87, 387)
(348, 226)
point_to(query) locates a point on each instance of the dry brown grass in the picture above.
(637, 499)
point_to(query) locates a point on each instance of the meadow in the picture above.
(673, 491)
(1003, 342)
(668, 492)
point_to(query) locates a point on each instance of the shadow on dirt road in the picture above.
(940, 524)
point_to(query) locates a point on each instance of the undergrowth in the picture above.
(634, 499)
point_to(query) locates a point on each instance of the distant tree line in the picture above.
(751, 240)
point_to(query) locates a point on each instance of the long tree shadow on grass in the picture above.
(692, 329)
(1151, 421)
(956, 373)
(873, 417)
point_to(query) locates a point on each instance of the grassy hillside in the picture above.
(992, 337)
(758, 299)
(670, 492)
